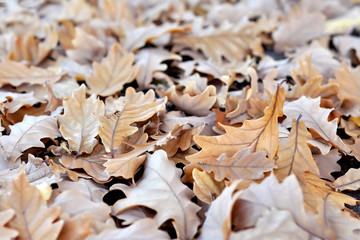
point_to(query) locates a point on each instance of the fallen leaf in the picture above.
(349, 181)
(259, 134)
(295, 155)
(79, 123)
(244, 164)
(27, 134)
(161, 175)
(114, 71)
(206, 188)
(6, 232)
(314, 117)
(33, 219)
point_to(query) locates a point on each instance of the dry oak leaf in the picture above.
(315, 118)
(218, 221)
(17, 73)
(273, 224)
(31, 49)
(349, 86)
(161, 190)
(92, 163)
(13, 101)
(315, 188)
(114, 71)
(244, 164)
(77, 10)
(6, 232)
(295, 155)
(298, 28)
(191, 100)
(33, 219)
(79, 123)
(342, 222)
(309, 81)
(133, 107)
(27, 134)
(349, 181)
(228, 41)
(260, 135)
(206, 188)
(328, 163)
(125, 165)
(142, 229)
(285, 196)
(150, 61)
(76, 227)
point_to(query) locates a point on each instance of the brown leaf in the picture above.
(295, 155)
(161, 189)
(328, 163)
(79, 124)
(114, 71)
(33, 219)
(259, 134)
(349, 181)
(27, 134)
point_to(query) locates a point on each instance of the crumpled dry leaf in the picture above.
(206, 188)
(295, 155)
(150, 62)
(6, 232)
(34, 220)
(27, 134)
(17, 73)
(32, 50)
(315, 118)
(328, 163)
(244, 164)
(114, 71)
(161, 176)
(191, 100)
(13, 101)
(349, 181)
(133, 107)
(259, 134)
(79, 123)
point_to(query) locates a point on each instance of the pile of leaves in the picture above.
(184, 119)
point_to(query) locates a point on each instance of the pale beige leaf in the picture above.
(342, 222)
(13, 101)
(315, 189)
(244, 164)
(191, 100)
(17, 73)
(348, 80)
(77, 10)
(76, 227)
(274, 224)
(133, 107)
(79, 123)
(38, 172)
(286, 196)
(295, 155)
(142, 229)
(314, 117)
(27, 134)
(161, 189)
(114, 71)
(33, 219)
(349, 181)
(31, 49)
(298, 28)
(150, 61)
(206, 188)
(6, 232)
(93, 50)
(92, 163)
(232, 42)
(261, 134)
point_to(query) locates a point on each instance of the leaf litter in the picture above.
(179, 119)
